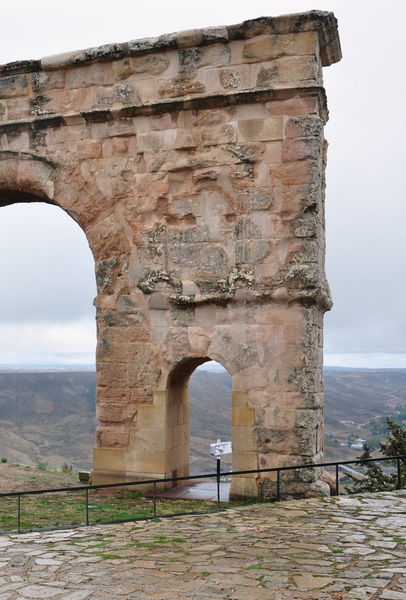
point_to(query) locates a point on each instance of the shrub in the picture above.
(375, 479)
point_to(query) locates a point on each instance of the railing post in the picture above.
(19, 513)
(218, 483)
(399, 482)
(278, 485)
(87, 506)
(154, 499)
(337, 482)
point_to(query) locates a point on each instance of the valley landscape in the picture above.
(48, 419)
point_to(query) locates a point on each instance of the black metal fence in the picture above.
(155, 495)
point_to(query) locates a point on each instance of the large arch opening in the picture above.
(47, 334)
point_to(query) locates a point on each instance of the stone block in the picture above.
(224, 134)
(184, 139)
(152, 416)
(244, 461)
(112, 374)
(243, 487)
(180, 435)
(146, 461)
(300, 149)
(51, 80)
(294, 173)
(303, 127)
(239, 399)
(243, 439)
(280, 417)
(292, 70)
(159, 397)
(158, 301)
(251, 130)
(144, 439)
(11, 87)
(309, 419)
(297, 106)
(177, 86)
(191, 59)
(109, 459)
(242, 416)
(152, 64)
(116, 409)
(272, 47)
(86, 149)
(17, 108)
(115, 435)
(89, 75)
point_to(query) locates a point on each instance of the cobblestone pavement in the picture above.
(339, 548)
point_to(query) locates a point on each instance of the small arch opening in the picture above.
(199, 401)
(210, 415)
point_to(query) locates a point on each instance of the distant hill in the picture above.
(47, 418)
(357, 402)
(50, 417)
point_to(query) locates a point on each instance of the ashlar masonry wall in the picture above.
(194, 163)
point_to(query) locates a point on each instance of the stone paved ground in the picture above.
(345, 548)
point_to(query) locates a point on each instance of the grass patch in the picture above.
(69, 508)
(384, 533)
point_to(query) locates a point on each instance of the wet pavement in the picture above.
(204, 490)
(339, 548)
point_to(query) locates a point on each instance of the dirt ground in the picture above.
(18, 478)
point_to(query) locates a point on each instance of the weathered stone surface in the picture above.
(269, 48)
(194, 163)
(14, 86)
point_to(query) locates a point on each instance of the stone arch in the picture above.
(26, 177)
(195, 164)
(160, 442)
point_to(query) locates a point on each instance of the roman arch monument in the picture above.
(194, 163)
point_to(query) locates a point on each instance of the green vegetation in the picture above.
(4, 459)
(375, 478)
(398, 539)
(69, 508)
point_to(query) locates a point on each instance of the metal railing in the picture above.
(217, 475)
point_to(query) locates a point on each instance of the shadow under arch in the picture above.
(26, 177)
(178, 416)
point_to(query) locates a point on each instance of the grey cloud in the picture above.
(46, 267)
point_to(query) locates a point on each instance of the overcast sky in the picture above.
(46, 269)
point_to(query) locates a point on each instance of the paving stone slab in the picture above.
(244, 554)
